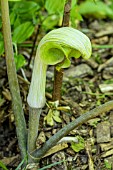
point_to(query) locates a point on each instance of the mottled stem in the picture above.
(34, 116)
(66, 16)
(13, 81)
(39, 153)
(58, 75)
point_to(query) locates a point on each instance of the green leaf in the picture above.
(23, 32)
(3, 166)
(19, 61)
(56, 115)
(55, 7)
(49, 118)
(1, 44)
(26, 8)
(12, 17)
(1, 47)
(53, 105)
(74, 2)
(108, 165)
(75, 15)
(50, 22)
(64, 108)
(78, 146)
(96, 10)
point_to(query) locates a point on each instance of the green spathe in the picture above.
(56, 47)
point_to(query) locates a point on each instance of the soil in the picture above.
(86, 85)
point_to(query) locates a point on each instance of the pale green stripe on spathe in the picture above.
(56, 47)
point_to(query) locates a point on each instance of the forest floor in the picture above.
(86, 85)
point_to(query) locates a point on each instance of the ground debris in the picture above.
(106, 87)
(106, 146)
(81, 70)
(103, 132)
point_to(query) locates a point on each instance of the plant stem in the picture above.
(34, 116)
(58, 75)
(13, 81)
(66, 16)
(39, 153)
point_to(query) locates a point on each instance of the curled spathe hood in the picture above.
(55, 48)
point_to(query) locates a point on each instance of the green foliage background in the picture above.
(25, 15)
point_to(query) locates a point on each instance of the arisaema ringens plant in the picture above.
(56, 48)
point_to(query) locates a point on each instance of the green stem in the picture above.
(36, 101)
(13, 81)
(34, 116)
(39, 153)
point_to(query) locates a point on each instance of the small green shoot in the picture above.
(78, 146)
(53, 114)
(107, 164)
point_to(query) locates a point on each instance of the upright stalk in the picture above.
(34, 116)
(58, 74)
(13, 81)
(36, 101)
